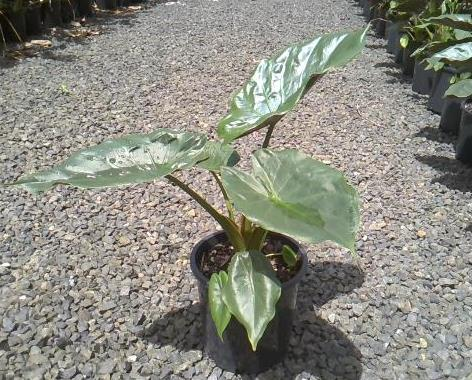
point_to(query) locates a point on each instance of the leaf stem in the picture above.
(268, 135)
(229, 205)
(227, 224)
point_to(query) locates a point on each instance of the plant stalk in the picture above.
(268, 135)
(229, 205)
(227, 224)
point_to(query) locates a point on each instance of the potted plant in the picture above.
(248, 273)
(33, 18)
(451, 59)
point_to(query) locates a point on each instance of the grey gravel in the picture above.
(85, 274)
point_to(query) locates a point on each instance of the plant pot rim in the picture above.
(288, 284)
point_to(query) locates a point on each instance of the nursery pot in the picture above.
(380, 23)
(464, 141)
(422, 79)
(234, 352)
(17, 21)
(368, 9)
(394, 33)
(451, 115)
(441, 83)
(68, 10)
(408, 62)
(84, 7)
(106, 4)
(33, 20)
(52, 14)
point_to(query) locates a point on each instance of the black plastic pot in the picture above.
(234, 353)
(68, 10)
(33, 20)
(422, 79)
(84, 8)
(106, 4)
(451, 115)
(368, 9)
(362, 3)
(380, 22)
(464, 141)
(394, 33)
(52, 14)
(441, 83)
(408, 62)
(18, 22)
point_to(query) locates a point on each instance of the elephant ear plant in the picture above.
(286, 192)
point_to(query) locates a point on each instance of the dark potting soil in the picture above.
(219, 257)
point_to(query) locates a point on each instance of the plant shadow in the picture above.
(316, 347)
(437, 135)
(457, 176)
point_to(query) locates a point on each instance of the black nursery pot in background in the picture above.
(18, 22)
(464, 141)
(52, 14)
(33, 20)
(368, 9)
(441, 82)
(234, 353)
(451, 115)
(422, 79)
(394, 33)
(106, 4)
(380, 23)
(408, 62)
(84, 8)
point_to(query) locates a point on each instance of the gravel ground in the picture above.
(96, 284)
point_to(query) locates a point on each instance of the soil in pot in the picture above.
(422, 79)
(464, 141)
(33, 20)
(234, 353)
(441, 83)
(451, 115)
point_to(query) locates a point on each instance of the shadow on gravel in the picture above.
(457, 176)
(435, 134)
(317, 347)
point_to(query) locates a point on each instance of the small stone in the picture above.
(132, 358)
(106, 367)
(124, 292)
(8, 325)
(68, 373)
(404, 306)
(124, 241)
(107, 305)
(332, 318)
(423, 343)
(421, 234)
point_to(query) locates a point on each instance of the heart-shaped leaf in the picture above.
(459, 55)
(219, 312)
(461, 89)
(130, 159)
(279, 83)
(293, 194)
(252, 292)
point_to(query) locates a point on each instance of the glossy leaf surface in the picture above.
(459, 55)
(289, 256)
(461, 89)
(293, 194)
(280, 82)
(252, 292)
(130, 159)
(219, 312)
(219, 155)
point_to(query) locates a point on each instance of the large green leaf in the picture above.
(219, 155)
(252, 292)
(456, 21)
(280, 82)
(130, 159)
(291, 193)
(219, 312)
(461, 89)
(459, 55)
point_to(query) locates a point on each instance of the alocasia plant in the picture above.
(286, 191)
